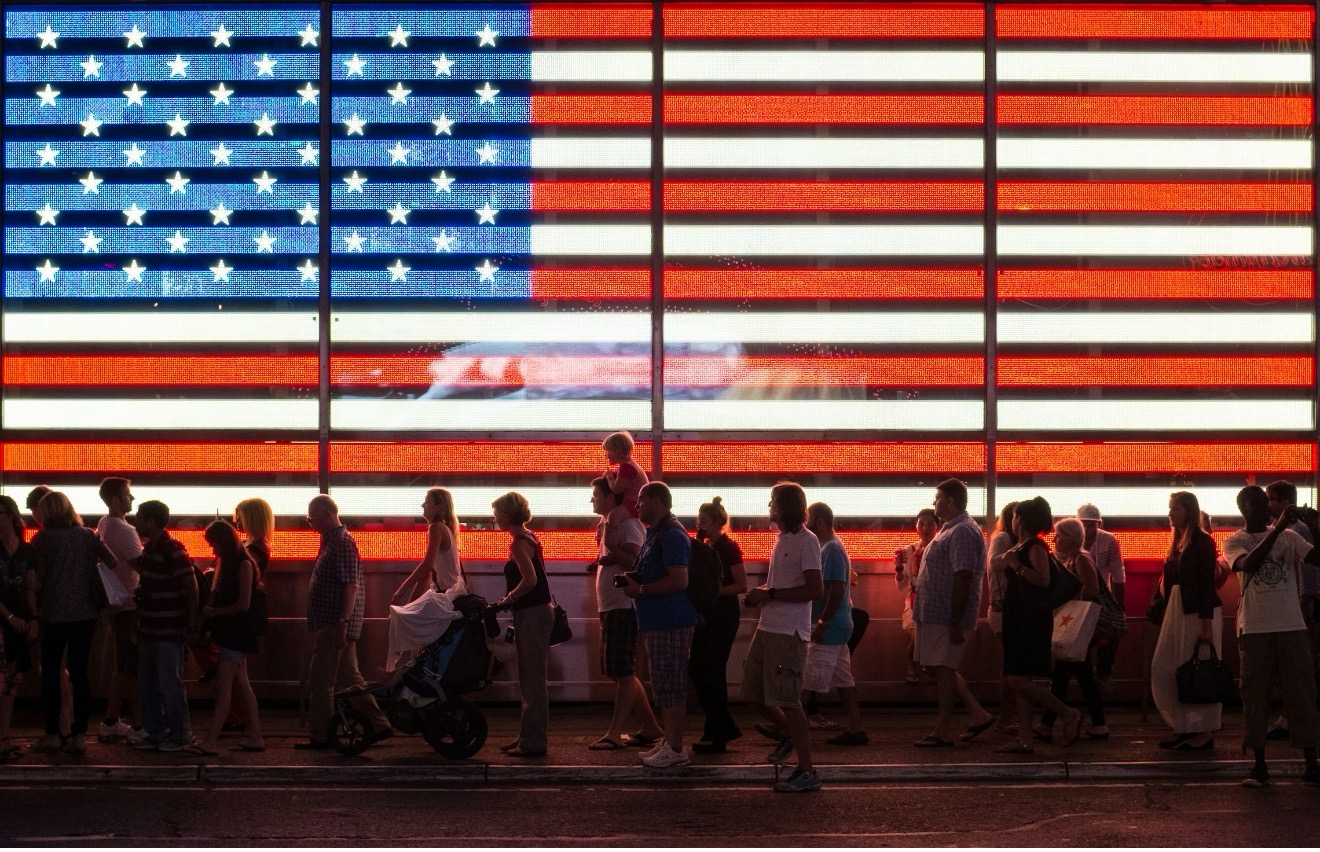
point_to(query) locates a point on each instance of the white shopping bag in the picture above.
(115, 592)
(1074, 626)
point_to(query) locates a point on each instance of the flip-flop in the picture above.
(933, 741)
(201, 751)
(1071, 731)
(247, 747)
(1015, 748)
(824, 725)
(639, 740)
(974, 731)
(1088, 735)
(606, 744)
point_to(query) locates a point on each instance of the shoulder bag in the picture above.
(1113, 621)
(1064, 586)
(1205, 681)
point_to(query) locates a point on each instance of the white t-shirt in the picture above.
(793, 555)
(617, 529)
(124, 542)
(1269, 597)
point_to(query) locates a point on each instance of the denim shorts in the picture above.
(230, 656)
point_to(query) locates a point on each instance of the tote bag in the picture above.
(1074, 626)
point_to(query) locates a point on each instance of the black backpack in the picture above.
(705, 574)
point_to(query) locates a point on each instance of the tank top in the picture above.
(444, 568)
(540, 595)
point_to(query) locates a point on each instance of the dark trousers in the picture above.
(1063, 674)
(708, 664)
(76, 638)
(1104, 658)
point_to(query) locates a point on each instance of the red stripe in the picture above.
(591, 20)
(806, 458)
(195, 457)
(824, 20)
(1156, 458)
(1156, 284)
(731, 108)
(715, 196)
(1154, 21)
(880, 284)
(609, 283)
(1153, 197)
(590, 196)
(1244, 111)
(591, 109)
(1155, 371)
(160, 370)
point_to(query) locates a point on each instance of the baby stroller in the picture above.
(424, 695)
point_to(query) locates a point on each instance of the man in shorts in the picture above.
(829, 663)
(122, 538)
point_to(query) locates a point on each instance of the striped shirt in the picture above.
(166, 572)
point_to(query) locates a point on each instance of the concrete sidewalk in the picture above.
(1129, 754)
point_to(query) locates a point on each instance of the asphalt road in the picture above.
(980, 814)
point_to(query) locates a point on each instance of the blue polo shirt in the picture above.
(666, 544)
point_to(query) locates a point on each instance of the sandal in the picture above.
(639, 740)
(824, 725)
(974, 731)
(933, 741)
(607, 744)
(1072, 730)
(1015, 747)
(525, 752)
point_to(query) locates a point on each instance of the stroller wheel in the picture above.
(349, 732)
(455, 729)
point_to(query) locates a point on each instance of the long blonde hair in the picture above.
(256, 518)
(1192, 508)
(445, 500)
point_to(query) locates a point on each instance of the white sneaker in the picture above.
(656, 749)
(136, 736)
(109, 733)
(667, 758)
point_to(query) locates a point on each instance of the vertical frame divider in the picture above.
(991, 208)
(657, 237)
(323, 261)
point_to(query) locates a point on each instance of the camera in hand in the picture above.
(621, 580)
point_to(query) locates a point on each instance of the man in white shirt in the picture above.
(122, 538)
(1272, 638)
(1108, 559)
(776, 659)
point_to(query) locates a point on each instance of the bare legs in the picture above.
(231, 680)
(628, 694)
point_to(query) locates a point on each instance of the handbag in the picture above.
(1074, 627)
(1064, 586)
(1158, 604)
(1113, 621)
(560, 632)
(115, 594)
(1208, 681)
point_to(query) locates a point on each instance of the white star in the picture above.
(486, 214)
(442, 65)
(354, 124)
(309, 93)
(399, 154)
(221, 94)
(265, 125)
(178, 125)
(221, 154)
(444, 124)
(221, 36)
(134, 37)
(354, 182)
(91, 184)
(354, 66)
(265, 183)
(48, 95)
(133, 215)
(91, 243)
(308, 270)
(92, 67)
(487, 94)
(265, 65)
(91, 125)
(48, 38)
(309, 36)
(265, 243)
(353, 242)
(135, 95)
(133, 272)
(47, 271)
(398, 36)
(47, 214)
(443, 182)
(443, 242)
(178, 243)
(220, 215)
(134, 155)
(178, 183)
(221, 271)
(178, 66)
(48, 155)
(398, 214)
(398, 95)
(307, 215)
(308, 153)
(487, 153)
(487, 271)
(487, 36)
(398, 272)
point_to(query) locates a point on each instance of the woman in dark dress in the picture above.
(713, 640)
(528, 596)
(16, 625)
(1028, 628)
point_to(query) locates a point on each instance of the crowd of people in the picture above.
(676, 599)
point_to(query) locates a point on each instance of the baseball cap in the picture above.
(1088, 512)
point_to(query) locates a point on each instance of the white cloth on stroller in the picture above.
(419, 623)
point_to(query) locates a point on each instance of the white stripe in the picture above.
(1219, 501)
(1248, 154)
(488, 415)
(837, 240)
(209, 500)
(578, 152)
(1154, 240)
(824, 415)
(156, 414)
(590, 66)
(1150, 328)
(743, 153)
(837, 327)
(491, 327)
(923, 66)
(593, 239)
(1049, 66)
(144, 327)
(1116, 416)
